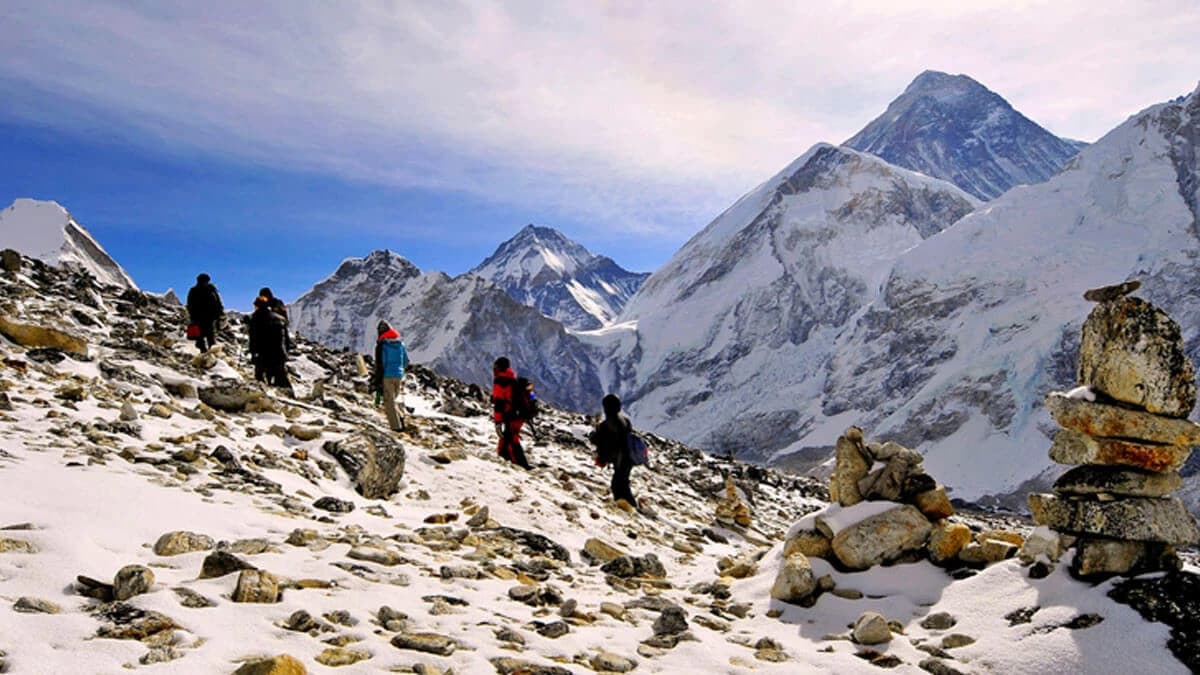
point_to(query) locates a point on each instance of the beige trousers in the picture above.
(393, 400)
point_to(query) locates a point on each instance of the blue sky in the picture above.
(264, 142)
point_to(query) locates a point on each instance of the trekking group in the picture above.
(514, 402)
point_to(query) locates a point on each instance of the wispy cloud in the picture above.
(639, 116)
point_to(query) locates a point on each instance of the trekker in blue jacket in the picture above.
(387, 374)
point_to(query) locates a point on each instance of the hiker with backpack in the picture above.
(616, 444)
(204, 312)
(268, 344)
(387, 373)
(513, 403)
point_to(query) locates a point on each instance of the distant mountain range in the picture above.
(542, 268)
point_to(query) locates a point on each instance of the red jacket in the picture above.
(502, 392)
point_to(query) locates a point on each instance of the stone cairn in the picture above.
(909, 520)
(1125, 430)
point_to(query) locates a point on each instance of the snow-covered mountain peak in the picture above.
(46, 231)
(544, 269)
(945, 87)
(954, 128)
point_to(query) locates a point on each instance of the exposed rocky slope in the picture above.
(456, 326)
(44, 230)
(953, 128)
(542, 268)
(161, 509)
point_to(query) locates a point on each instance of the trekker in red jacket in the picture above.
(508, 425)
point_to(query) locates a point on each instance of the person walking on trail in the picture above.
(273, 303)
(268, 344)
(508, 422)
(387, 373)
(611, 440)
(204, 311)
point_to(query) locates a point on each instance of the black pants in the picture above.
(620, 480)
(274, 374)
(208, 335)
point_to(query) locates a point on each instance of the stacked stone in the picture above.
(1127, 435)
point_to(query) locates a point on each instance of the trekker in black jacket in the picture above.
(268, 344)
(205, 311)
(611, 439)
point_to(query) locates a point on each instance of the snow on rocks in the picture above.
(1128, 443)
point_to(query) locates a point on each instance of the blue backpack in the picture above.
(395, 358)
(639, 452)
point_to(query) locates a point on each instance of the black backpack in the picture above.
(524, 400)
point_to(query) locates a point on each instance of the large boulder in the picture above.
(30, 335)
(1110, 421)
(882, 537)
(1073, 448)
(796, 580)
(1133, 352)
(852, 462)
(1093, 480)
(374, 461)
(1164, 520)
(811, 543)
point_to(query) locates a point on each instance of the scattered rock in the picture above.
(607, 662)
(28, 605)
(123, 621)
(335, 657)
(132, 580)
(599, 551)
(430, 643)
(672, 621)
(276, 665)
(234, 396)
(29, 335)
(552, 630)
(192, 599)
(956, 640)
(938, 621)
(947, 540)
(510, 666)
(220, 563)
(628, 566)
(334, 505)
(16, 546)
(254, 585)
(796, 581)
(373, 460)
(871, 629)
(179, 542)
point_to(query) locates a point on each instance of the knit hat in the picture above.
(501, 364)
(383, 326)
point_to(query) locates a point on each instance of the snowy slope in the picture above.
(732, 330)
(976, 324)
(954, 128)
(456, 326)
(44, 230)
(542, 268)
(88, 491)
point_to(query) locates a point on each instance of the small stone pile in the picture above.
(1125, 430)
(885, 509)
